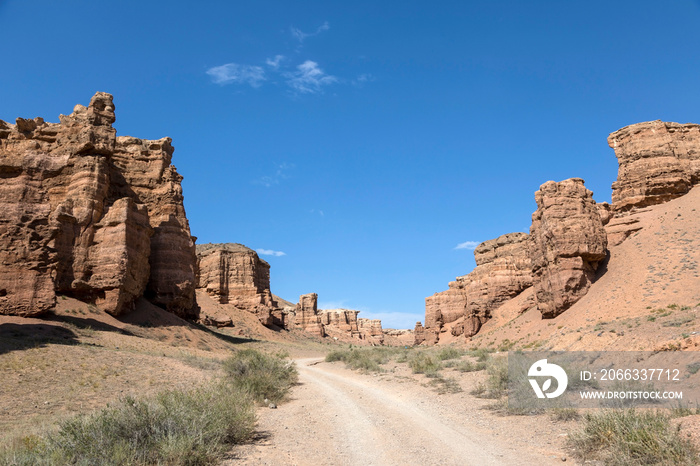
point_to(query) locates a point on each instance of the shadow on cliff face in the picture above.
(17, 337)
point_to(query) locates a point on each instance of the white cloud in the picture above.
(279, 175)
(362, 79)
(234, 73)
(301, 35)
(270, 252)
(274, 63)
(469, 245)
(319, 212)
(309, 78)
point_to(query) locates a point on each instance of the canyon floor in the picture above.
(79, 360)
(340, 416)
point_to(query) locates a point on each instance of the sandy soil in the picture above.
(339, 416)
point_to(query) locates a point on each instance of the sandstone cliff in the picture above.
(306, 315)
(503, 270)
(570, 233)
(234, 274)
(90, 215)
(658, 162)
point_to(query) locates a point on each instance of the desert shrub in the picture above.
(423, 363)
(449, 353)
(177, 427)
(263, 376)
(481, 354)
(367, 359)
(565, 414)
(496, 384)
(630, 437)
(468, 366)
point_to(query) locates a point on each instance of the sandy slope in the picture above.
(338, 416)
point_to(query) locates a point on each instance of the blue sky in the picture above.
(359, 143)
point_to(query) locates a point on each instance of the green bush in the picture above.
(261, 375)
(449, 353)
(365, 359)
(423, 363)
(177, 427)
(630, 437)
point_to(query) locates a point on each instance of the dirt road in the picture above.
(337, 416)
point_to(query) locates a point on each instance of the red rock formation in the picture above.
(76, 221)
(502, 272)
(343, 320)
(568, 243)
(418, 334)
(146, 170)
(234, 274)
(307, 316)
(658, 162)
(371, 330)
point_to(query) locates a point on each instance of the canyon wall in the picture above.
(234, 274)
(503, 270)
(658, 161)
(570, 233)
(90, 215)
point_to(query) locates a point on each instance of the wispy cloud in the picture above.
(270, 252)
(279, 175)
(339, 304)
(301, 35)
(274, 63)
(469, 245)
(319, 212)
(362, 79)
(234, 73)
(309, 78)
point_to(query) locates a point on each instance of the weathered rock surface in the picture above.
(234, 274)
(371, 329)
(306, 315)
(658, 161)
(344, 320)
(84, 217)
(568, 243)
(418, 334)
(503, 270)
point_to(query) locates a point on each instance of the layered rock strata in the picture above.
(234, 274)
(306, 315)
(568, 242)
(658, 161)
(503, 270)
(371, 330)
(84, 215)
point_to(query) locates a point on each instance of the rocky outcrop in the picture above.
(234, 274)
(306, 315)
(503, 270)
(568, 243)
(371, 330)
(84, 215)
(658, 161)
(418, 334)
(343, 320)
